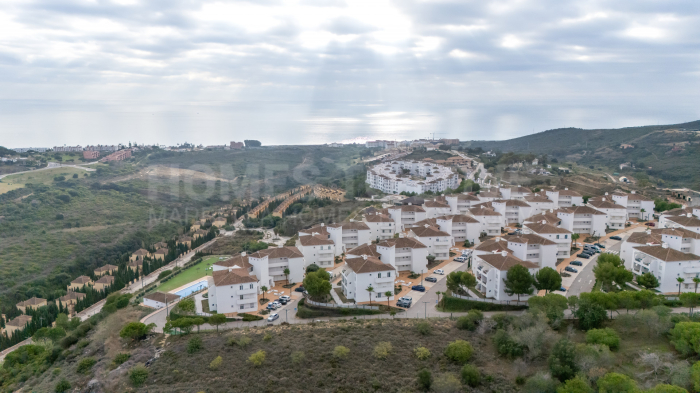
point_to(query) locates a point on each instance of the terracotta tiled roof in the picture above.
(140, 252)
(582, 210)
(239, 261)
(235, 276)
(162, 297)
(503, 263)
(34, 301)
(106, 268)
(409, 208)
(19, 321)
(644, 238)
(491, 245)
(512, 202)
(600, 204)
(465, 197)
(368, 265)
(402, 242)
(685, 221)
(320, 229)
(377, 218)
(81, 280)
(680, 211)
(315, 240)
(71, 295)
(681, 232)
(364, 249)
(545, 228)
(428, 231)
(161, 251)
(436, 204)
(483, 211)
(530, 238)
(667, 254)
(278, 252)
(458, 218)
(107, 279)
(633, 197)
(537, 199)
(550, 218)
(356, 225)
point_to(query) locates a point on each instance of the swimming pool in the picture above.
(192, 288)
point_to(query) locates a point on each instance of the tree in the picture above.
(317, 284)
(286, 274)
(610, 269)
(574, 237)
(184, 324)
(605, 336)
(62, 321)
(562, 361)
(518, 281)
(136, 330)
(547, 279)
(62, 386)
(216, 320)
(590, 315)
(696, 280)
(665, 388)
(252, 143)
(685, 337)
(187, 306)
(695, 376)
(690, 300)
(575, 385)
(264, 291)
(616, 383)
(388, 295)
(648, 281)
(370, 289)
(459, 351)
(425, 379)
(680, 281)
(430, 258)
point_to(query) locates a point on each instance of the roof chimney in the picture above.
(243, 254)
(664, 245)
(606, 193)
(409, 203)
(504, 253)
(634, 192)
(544, 221)
(603, 199)
(323, 225)
(648, 231)
(566, 188)
(690, 214)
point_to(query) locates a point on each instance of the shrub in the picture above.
(164, 274)
(194, 345)
(135, 330)
(470, 321)
(257, 358)
(341, 352)
(242, 341)
(422, 353)
(459, 351)
(121, 358)
(506, 346)
(267, 336)
(425, 379)
(605, 336)
(575, 385)
(62, 386)
(85, 365)
(447, 383)
(298, 357)
(122, 302)
(695, 376)
(616, 383)
(216, 363)
(382, 350)
(471, 375)
(562, 361)
(541, 383)
(424, 328)
(138, 375)
(685, 336)
(664, 388)
(83, 343)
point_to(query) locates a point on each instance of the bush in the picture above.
(605, 336)
(216, 363)
(506, 346)
(695, 376)
(664, 388)
(590, 315)
(685, 336)
(164, 274)
(62, 386)
(341, 352)
(298, 357)
(138, 375)
(471, 375)
(575, 385)
(257, 358)
(194, 345)
(459, 351)
(453, 304)
(616, 383)
(425, 379)
(267, 336)
(422, 353)
(135, 330)
(470, 321)
(382, 350)
(121, 358)
(541, 383)
(424, 328)
(447, 383)
(562, 361)
(85, 365)
(242, 341)
(69, 340)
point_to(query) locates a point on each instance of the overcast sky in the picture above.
(313, 71)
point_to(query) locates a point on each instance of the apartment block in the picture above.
(583, 219)
(106, 269)
(34, 303)
(565, 197)
(381, 226)
(667, 265)
(689, 222)
(232, 288)
(347, 235)
(491, 269)
(491, 221)
(533, 248)
(361, 273)
(117, 156)
(403, 253)
(615, 215)
(317, 249)
(539, 204)
(513, 210)
(79, 283)
(91, 154)
(461, 203)
(18, 323)
(363, 249)
(462, 227)
(560, 236)
(638, 206)
(406, 214)
(434, 208)
(269, 265)
(103, 282)
(437, 241)
(517, 193)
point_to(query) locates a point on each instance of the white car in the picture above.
(285, 297)
(439, 271)
(276, 304)
(273, 317)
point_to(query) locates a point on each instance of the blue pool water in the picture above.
(192, 288)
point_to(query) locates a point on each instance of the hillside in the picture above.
(670, 153)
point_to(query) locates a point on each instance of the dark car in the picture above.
(570, 269)
(418, 288)
(299, 289)
(511, 233)
(599, 245)
(615, 238)
(583, 255)
(562, 289)
(404, 302)
(431, 279)
(576, 263)
(282, 301)
(649, 224)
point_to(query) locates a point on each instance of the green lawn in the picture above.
(190, 274)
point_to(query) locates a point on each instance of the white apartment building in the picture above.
(667, 265)
(315, 230)
(638, 206)
(565, 197)
(490, 246)
(518, 193)
(434, 208)
(615, 215)
(317, 249)
(689, 222)
(364, 249)
(491, 221)
(533, 248)
(513, 210)
(460, 226)
(550, 217)
(560, 236)
(437, 241)
(461, 203)
(403, 253)
(411, 176)
(407, 214)
(269, 265)
(489, 195)
(637, 239)
(539, 204)
(361, 273)
(348, 234)
(232, 288)
(583, 219)
(491, 269)
(381, 226)
(680, 239)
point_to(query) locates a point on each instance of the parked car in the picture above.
(282, 301)
(511, 233)
(439, 271)
(418, 288)
(599, 245)
(562, 289)
(285, 297)
(299, 289)
(405, 302)
(273, 317)
(583, 255)
(431, 279)
(270, 306)
(276, 304)
(570, 269)
(649, 224)
(576, 263)
(460, 259)
(615, 238)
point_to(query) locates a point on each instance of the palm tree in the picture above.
(370, 289)
(574, 237)
(286, 274)
(680, 281)
(264, 289)
(643, 211)
(696, 280)
(388, 294)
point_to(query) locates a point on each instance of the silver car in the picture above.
(273, 317)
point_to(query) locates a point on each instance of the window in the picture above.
(241, 297)
(241, 287)
(251, 286)
(388, 274)
(241, 307)
(379, 275)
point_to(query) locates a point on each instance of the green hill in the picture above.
(670, 153)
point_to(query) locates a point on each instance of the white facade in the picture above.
(461, 227)
(667, 265)
(634, 204)
(514, 211)
(583, 219)
(689, 222)
(407, 214)
(400, 176)
(461, 203)
(565, 198)
(348, 235)
(560, 236)
(404, 254)
(491, 221)
(317, 249)
(534, 248)
(361, 273)
(615, 215)
(517, 193)
(232, 288)
(491, 269)
(435, 208)
(269, 265)
(438, 242)
(380, 226)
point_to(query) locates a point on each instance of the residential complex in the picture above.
(232, 288)
(360, 274)
(411, 176)
(491, 269)
(348, 235)
(403, 253)
(317, 249)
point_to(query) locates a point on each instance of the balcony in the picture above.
(383, 279)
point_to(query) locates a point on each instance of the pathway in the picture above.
(51, 165)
